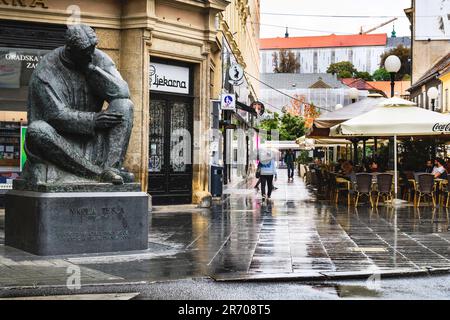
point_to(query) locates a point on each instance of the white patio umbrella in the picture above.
(311, 143)
(394, 117)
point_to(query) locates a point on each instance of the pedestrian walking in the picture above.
(289, 161)
(267, 171)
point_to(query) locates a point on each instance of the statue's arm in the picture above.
(107, 82)
(62, 117)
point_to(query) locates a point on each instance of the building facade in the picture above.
(429, 34)
(431, 78)
(445, 79)
(169, 52)
(239, 37)
(315, 54)
(324, 90)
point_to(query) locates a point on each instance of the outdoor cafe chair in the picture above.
(341, 185)
(409, 185)
(446, 190)
(425, 187)
(363, 187)
(384, 186)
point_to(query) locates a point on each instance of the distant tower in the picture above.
(393, 34)
(286, 35)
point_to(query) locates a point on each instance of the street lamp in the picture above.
(392, 65)
(353, 94)
(432, 94)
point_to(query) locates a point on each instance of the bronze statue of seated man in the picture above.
(80, 115)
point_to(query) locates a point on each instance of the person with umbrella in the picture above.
(267, 172)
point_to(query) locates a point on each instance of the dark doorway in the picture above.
(170, 153)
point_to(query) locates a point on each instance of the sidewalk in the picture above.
(294, 238)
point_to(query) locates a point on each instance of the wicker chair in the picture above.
(409, 185)
(446, 190)
(332, 185)
(363, 187)
(341, 187)
(307, 176)
(384, 186)
(425, 187)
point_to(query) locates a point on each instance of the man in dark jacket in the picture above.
(289, 160)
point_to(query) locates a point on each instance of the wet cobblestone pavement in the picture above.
(294, 237)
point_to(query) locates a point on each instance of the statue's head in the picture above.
(81, 41)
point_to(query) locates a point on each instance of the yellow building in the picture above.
(445, 78)
(149, 40)
(239, 39)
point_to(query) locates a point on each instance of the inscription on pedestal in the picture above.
(79, 223)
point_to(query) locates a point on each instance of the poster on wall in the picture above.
(432, 20)
(10, 71)
(169, 78)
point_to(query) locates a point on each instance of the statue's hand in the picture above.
(105, 120)
(88, 68)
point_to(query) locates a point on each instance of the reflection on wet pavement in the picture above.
(296, 234)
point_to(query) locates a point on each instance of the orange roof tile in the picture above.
(359, 84)
(332, 40)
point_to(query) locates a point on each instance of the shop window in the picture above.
(16, 67)
(9, 151)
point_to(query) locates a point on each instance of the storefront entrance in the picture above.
(22, 46)
(170, 154)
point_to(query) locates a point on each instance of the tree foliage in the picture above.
(289, 127)
(404, 54)
(310, 114)
(381, 75)
(363, 75)
(343, 69)
(285, 61)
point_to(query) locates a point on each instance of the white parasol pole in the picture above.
(395, 166)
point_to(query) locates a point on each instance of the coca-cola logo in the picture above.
(438, 127)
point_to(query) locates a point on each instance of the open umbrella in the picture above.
(350, 111)
(394, 117)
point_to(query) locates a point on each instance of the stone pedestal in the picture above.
(64, 223)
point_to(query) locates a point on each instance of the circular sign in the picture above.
(236, 72)
(258, 107)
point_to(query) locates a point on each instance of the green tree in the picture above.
(381, 75)
(291, 128)
(363, 75)
(343, 69)
(404, 55)
(285, 61)
(272, 123)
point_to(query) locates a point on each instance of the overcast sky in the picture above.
(302, 26)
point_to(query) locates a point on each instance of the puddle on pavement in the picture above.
(348, 291)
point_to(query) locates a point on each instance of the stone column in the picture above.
(202, 112)
(134, 64)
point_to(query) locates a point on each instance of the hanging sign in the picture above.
(236, 73)
(258, 107)
(169, 78)
(228, 102)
